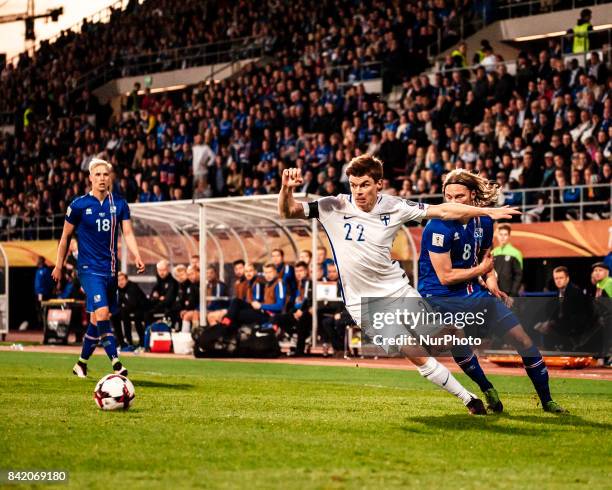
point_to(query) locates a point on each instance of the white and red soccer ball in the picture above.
(114, 392)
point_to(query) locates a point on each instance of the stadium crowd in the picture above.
(550, 125)
(49, 113)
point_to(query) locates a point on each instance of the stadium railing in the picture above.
(173, 59)
(348, 74)
(550, 203)
(604, 53)
(537, 204)
(511, 8)
(485, 12)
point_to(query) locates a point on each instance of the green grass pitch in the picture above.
(213, 424)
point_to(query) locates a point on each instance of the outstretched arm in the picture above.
(62, 249)
(130, 240)
(453, 210)
(288, 207)
(448, 276)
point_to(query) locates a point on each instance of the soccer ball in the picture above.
(114, 392)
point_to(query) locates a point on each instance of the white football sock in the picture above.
(441, 376)
(186, 326)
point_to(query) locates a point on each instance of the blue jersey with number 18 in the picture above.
(464, 242)
(97, 226)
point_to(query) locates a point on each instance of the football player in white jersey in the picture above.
(361, 227)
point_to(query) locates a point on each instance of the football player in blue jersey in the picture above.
(96, 217)
(455, 262)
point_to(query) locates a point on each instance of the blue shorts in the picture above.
(101, 291)
(498, 318)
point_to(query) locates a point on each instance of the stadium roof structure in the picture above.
(246, 228)
(236, 227)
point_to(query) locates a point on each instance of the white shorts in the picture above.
(406, 291)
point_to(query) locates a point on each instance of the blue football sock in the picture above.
(108, 340)
(467, 360)
(90, 342)
(537, 372)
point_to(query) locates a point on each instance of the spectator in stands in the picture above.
(601, 274)
(43, 286)
(164, 292)
(132, 303)
(216, 290)
(508, 262)
(295, 113)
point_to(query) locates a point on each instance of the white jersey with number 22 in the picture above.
(361, 243)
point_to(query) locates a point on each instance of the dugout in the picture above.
(231, 228)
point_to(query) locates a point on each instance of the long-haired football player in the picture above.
(455, 262)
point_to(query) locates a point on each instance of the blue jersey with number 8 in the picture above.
(97, 227)
(464, 242)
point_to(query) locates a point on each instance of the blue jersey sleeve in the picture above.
(74, 213)
(124, 212)
(487, 232)
(437, 237)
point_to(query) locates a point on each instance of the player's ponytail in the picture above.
(487, 193)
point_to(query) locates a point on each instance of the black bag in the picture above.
(255, 341)
(216, 341)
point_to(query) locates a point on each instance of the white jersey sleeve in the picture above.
(412, 211)
(323, 208)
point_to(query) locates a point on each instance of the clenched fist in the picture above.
(292, 177)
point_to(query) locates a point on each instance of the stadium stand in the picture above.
(546, 126)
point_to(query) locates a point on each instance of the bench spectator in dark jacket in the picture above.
(132, 303)
(164, 292)
(299, 319)
(190, 313)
